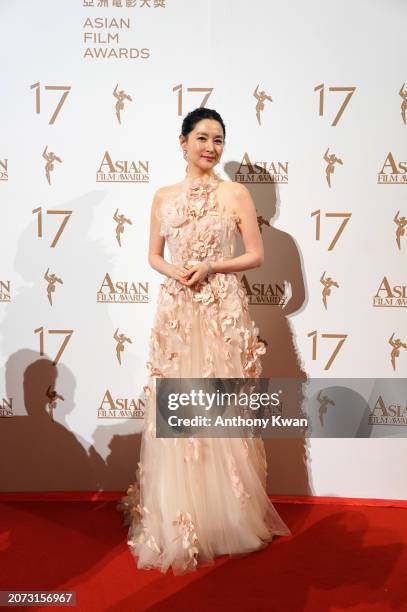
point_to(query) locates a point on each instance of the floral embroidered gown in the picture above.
(196, 498)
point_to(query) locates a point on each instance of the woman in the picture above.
(201, 497)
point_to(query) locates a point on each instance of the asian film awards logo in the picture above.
(389, 295)
(122, 171)
(261, 172)
(122, 292)
(120, 407)
(393, 171)
(386, 413)
(268, 293)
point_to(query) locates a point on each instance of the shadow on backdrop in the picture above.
(38, 453)
(276, 291)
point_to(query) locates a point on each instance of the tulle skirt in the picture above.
(197, 498)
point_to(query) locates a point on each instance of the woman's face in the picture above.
(204, 144)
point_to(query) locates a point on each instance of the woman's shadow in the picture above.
(276, 291)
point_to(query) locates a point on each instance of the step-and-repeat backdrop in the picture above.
(314, 97)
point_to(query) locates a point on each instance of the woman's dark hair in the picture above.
(189, 122)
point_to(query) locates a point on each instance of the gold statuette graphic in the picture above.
(260, 97)
(120, 220)
(50, 157)
(324, 402)
(52, 396)
(331, 160)
(51, 279)
(120, 96)
(262, 221)
(396, 344)
(5, 289)
(327, 283)
(120, 339)
(401, 223)
(403, 94)
(4, 169)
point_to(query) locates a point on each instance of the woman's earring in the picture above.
(185, 153)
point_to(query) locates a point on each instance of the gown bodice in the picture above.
(195, 225)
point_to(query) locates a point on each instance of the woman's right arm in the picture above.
(156, 246)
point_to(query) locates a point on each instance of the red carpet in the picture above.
(340, 557)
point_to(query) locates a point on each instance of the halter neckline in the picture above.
(198, 181)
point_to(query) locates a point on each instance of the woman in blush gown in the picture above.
(196, 498)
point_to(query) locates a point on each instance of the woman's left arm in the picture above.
(253, 256)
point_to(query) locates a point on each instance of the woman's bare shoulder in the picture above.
(168, 189)
(233, 188)
(234, 195)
